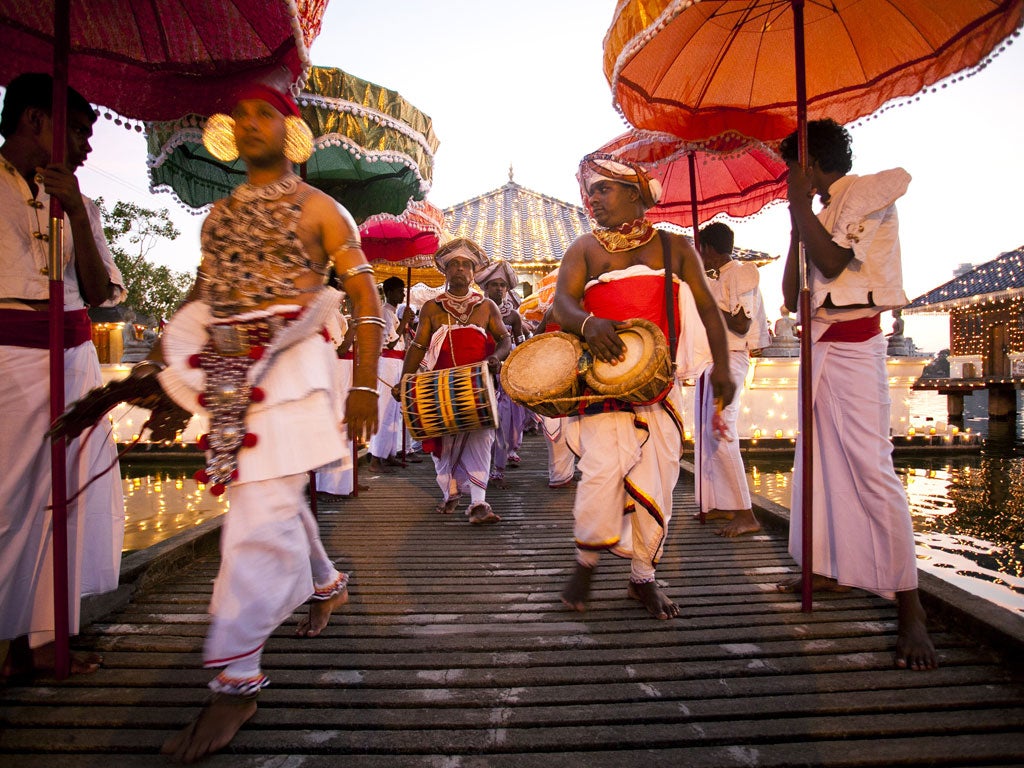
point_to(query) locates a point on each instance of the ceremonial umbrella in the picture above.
(146, 60)
(700, 70)
(372, 151)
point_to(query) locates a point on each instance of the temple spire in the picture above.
(510, 172)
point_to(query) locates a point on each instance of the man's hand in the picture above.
(603, 339)
(722, 385)
(60, 182)
(361, 415)
(493, 365)
(799, 190)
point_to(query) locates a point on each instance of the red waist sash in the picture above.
(394, 354)
(861, 329)
(30, 329)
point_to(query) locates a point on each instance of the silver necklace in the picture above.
(275, 190)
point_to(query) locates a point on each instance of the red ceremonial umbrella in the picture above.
(146, 60)
(699, 70)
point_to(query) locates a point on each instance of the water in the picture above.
(967, 509)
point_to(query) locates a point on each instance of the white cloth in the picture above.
(629, 464)
(721, 480)
(736, 289)
(561, 461)
(338, 478)
(271, 562)
(861, 215)
(464, 464)
(387, 440)
(862, 531)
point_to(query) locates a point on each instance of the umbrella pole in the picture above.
(408, 303)
(698, 412)
(312, 495)
(58, 448)
(806, 457)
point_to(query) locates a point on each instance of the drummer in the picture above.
(460, 327)
(629, 454)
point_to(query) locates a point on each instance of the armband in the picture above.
(368, 320)
(358, 269)
(372, 390)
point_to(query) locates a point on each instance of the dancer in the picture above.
(250, 348)
(460, 327)
(95, 520)
(862, 532)
(629, 454)
(721, 477)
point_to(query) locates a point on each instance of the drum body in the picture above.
(542, 373)
(646, 373)
(449, 400)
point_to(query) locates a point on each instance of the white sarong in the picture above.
(721, 480)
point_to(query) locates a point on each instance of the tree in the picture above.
(131, 231)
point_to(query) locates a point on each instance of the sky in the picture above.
(521, 84)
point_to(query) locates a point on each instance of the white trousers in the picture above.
(721, 481)
(561, 461)
(862, 531)
(465, 463)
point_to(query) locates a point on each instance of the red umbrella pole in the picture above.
(408, 303)
(58, 451)
(806, 457)
(699, 410)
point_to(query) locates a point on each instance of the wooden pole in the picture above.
(698, 411)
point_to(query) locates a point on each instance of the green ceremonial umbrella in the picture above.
(373, 152)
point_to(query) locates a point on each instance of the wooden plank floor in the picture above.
(455, 652)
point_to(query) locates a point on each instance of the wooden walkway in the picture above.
(455, 652)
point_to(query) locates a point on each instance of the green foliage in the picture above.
(131, 232)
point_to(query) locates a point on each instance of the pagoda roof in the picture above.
(1001, 278)
(530, 230)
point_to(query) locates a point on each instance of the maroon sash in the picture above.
(861, 329)
(393, 354)
(30, 329)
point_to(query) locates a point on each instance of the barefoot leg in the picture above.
(743, 522)
(577, 589)
(44, 659)
(914, 649)
(718, 514)
(320, 614)
(447, 507)
(657, 603)
(213, 730)
(818, 584)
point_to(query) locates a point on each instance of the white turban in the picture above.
(463, 248)
(601, 166)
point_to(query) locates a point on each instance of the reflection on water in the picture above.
(162, 501)
(968, 514)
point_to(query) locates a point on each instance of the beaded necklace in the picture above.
(625, 237)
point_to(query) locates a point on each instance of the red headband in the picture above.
(282, 102)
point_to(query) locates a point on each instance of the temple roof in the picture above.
(530, 230)
(1003, 277)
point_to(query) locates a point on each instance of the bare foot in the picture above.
(320, 614)
(378, 467)
(577, 589)
(914, 649)
(446, 507)
(657, 603)
(498, 482)
(481, 513)
(818, 584)
(743, 522)
(213, 730)
(718, 514)
(44, 659)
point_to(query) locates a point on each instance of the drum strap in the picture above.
(666, 254)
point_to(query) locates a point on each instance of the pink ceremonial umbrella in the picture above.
(146, 60)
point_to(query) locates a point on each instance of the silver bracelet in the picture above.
(358, 269)
(368, 319)
(583, 325)
(371, 390)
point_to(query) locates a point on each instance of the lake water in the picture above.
(968, 509)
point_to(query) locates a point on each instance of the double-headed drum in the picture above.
(449, 400)
(542, 373)
(646, 373)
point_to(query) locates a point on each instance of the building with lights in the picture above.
(986, 330)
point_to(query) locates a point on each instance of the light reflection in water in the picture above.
(968, 515)
(162, 501)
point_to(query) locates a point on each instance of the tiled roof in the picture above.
(530, 230)
(760, 258)
(999, 278)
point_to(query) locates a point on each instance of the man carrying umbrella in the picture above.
(96, 518)
(629, 454)
(251, 348)
(862, 533)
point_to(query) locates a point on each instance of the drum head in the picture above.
(542, 366)
(642, 339)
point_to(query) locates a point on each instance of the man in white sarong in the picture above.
(497, 280)
(628, 453)
(252, 349)
(721, 479)
(387, 440)
(95, 521)
(862, 532)
(460, 327)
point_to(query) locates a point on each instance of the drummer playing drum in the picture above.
(629, 453)
(458, 328)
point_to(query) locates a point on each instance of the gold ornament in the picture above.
(298, 140)
(219, 137)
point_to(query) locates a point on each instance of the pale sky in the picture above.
(521, 84)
